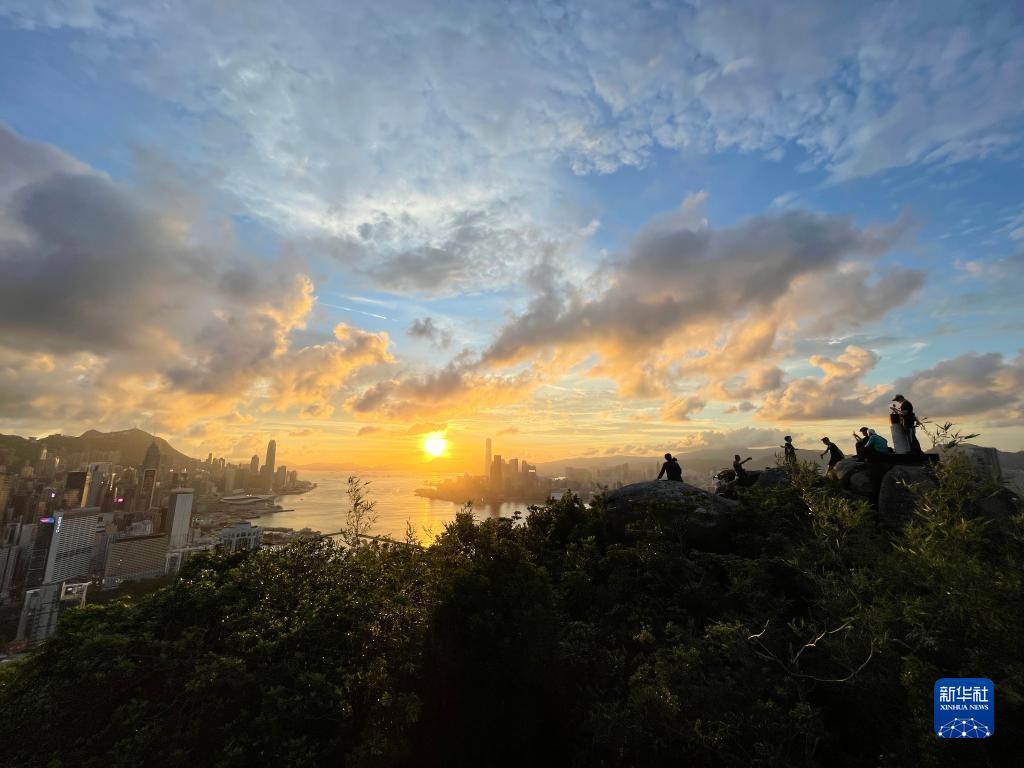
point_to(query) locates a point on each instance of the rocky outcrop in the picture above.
(895, 497)
(706, 520)
(846, 469)
(771, 477)
(1000, 505)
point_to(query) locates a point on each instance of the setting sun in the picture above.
(435, 445)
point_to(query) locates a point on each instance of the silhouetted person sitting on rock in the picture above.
(787, 446)
(835, 455)
(671, 469)
(909, 422)
(871, 444)
(860, 440)
(737, 467)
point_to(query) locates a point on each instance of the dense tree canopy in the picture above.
(578, 636)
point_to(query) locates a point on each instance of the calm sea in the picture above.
(323, 508)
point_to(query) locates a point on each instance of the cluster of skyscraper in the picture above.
(508, 477)
(65, 530)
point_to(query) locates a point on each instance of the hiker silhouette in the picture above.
(671, 470)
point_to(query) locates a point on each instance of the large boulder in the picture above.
(707, 520)
(770, 477)
(845, 469)
(1000, 505)
(865, 483)
(895, 498)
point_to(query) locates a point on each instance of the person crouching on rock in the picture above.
(671, 469)
(835, 455)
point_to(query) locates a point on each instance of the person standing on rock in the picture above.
(787, 446)
(909, 422)
(671, 469)
(835, 455)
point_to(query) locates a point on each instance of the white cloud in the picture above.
(326, 117)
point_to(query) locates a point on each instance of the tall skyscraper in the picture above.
(229, 478)
(145, 498)
(487, 459)
(496, 472)
(254, 465)
(150, 468)
(74, 489)
(271, 457)
(39, 551)
(152, 460)
(97, 482)
(178, 522)
(74, 532)
(6, 485)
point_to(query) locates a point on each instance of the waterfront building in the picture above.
(241, 536)
(487, 459)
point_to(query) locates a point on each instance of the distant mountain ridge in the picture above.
(132, 445)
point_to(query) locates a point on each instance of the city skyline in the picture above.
(384, 236)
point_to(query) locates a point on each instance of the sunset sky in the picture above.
(578, 228)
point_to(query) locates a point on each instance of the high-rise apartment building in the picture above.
(487, 459)
(254, 465)
(178, 522)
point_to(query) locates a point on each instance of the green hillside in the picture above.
(131, 443)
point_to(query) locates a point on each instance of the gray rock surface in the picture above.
(771, 477)
(895, 499)
(705, 519)
(846, 469)
(863, 483)
(667, 493)
(1000, 506)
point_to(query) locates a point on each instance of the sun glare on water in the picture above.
(435, 445)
